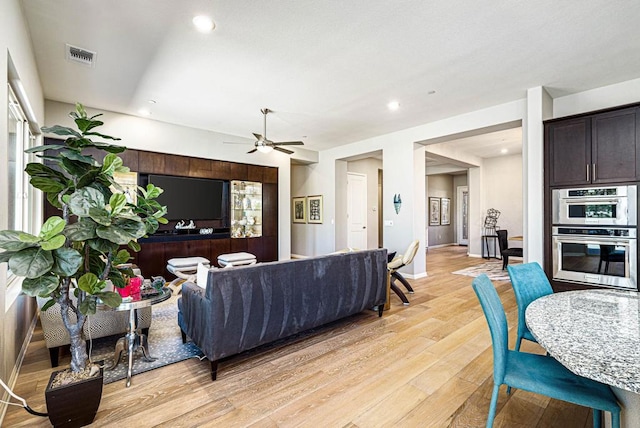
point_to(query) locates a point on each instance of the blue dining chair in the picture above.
(540, 374)
(529, 283)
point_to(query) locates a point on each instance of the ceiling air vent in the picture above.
(80, 55)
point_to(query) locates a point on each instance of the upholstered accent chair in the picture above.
(398, 262)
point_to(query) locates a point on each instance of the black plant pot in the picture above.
(74, 405)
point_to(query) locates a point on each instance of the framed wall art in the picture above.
(315, 208)
(434, 211)
(445, 211)
(299, 205)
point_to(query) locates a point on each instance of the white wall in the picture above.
(145, 134)
(15, 315)
(369, 167)
(502, 190)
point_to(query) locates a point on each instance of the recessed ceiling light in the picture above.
(203, 23)
(393, 105)
(504, 151)
(144, 112)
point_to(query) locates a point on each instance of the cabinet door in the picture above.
(570, 151)
(614, 151)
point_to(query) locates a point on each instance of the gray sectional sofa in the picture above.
(245, 307)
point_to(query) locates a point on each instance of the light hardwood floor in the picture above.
(424, 365)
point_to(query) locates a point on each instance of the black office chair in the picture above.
(608, 254)
(505, 251)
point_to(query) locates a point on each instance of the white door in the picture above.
(462, 212)
(357, 210)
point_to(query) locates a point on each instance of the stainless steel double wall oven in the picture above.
(594, 236)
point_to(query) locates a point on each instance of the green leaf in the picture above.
(117, 278)
(31, 262)
(110, 163)
(107, 146)
(76, 156)
(6, 255)
(100, 216)
(134, 246)
(88, 178)
(163, 220)
(47, 305)
(117, 203)
(52, 227)
(122, 257)
(102, 245)
(60, 130)
(82, 230)
(39, 149)
(36, 169)
(67, 261)
(122, 231)
(152, 191)
(89, 283)
(75, 168)
(88, 306)
(10, 240)
(82, 200)
(47, 185)
(53, 199)
(53, 243)
(40, 286)
(28, 238)
(85, 125)
(111, 299)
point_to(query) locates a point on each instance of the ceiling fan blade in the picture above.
(251, 151)
(289, 143)
(258, 136)
(280, 149)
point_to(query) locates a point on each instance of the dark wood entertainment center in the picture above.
(157, 249)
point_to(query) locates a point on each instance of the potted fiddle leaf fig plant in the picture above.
(77, 252)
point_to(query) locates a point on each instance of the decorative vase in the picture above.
(76, 404)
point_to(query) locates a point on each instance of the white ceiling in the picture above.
(328, 67)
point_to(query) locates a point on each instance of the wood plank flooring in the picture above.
(424, 365)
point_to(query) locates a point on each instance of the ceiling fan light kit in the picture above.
(264, 145)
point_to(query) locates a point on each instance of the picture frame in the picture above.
(445, 211)
(299, 207)
(128, 182)
(315, 209)
(434, 211)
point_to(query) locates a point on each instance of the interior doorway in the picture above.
(357, 210)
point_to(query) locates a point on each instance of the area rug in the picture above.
(493, 269)
(165, 344)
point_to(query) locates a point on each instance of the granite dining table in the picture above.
(595, 334)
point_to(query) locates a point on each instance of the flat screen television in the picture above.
(191, 198)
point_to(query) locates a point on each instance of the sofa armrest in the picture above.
(194, 317)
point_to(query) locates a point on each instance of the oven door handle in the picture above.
(585, 240)
(592, 201)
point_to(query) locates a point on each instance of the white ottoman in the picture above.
(236, 259)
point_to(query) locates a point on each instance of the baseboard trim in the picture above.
(299, 256)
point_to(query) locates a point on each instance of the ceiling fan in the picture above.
(265, 145)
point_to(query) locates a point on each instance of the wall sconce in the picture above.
(397, 203)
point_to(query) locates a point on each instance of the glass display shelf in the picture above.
(246, 209)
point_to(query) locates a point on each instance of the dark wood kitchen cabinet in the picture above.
(594, 149)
